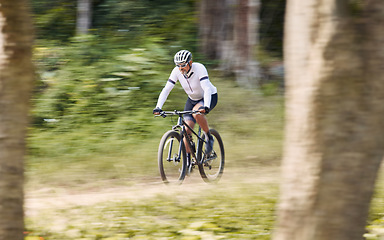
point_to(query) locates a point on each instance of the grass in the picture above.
(375, 228)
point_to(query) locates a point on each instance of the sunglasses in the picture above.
(182, 65)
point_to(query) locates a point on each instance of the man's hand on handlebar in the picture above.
(157, 111)
(204, 110)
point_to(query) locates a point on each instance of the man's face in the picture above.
(184, 67)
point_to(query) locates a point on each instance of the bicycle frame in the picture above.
(181, 126)
(189, 141)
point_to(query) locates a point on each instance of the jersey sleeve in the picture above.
(164, 93)
(167, 89)
(205, 85)
(204, 82)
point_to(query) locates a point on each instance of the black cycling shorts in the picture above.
(191, 103)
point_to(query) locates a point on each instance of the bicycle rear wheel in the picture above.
(172, 166)
(211, 167)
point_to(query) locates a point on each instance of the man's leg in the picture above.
(202, 121)
(191, 124)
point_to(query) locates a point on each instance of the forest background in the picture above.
(102, 86)
(92, 124)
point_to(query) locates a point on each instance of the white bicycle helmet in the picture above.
(182, 56)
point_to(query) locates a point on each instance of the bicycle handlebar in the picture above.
(176, 112)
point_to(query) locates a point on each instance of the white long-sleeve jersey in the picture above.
(196, 84)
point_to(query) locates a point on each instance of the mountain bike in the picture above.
(172, 155)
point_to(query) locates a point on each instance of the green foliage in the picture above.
(270, 89)
(54, 20)
(272, 15)
(117, 70)
(356, 8)
(95, 85)
(120, 21)
(375, 225)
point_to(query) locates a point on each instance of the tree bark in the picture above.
(16, 78)
(334, 51)
(229, 33)
(84, 16)
(246, 36)
(210, 27)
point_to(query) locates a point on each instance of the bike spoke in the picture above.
(171, 164)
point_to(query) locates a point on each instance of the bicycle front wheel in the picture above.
(212, 167)
(172, 161)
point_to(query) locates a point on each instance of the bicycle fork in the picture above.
(169, 158)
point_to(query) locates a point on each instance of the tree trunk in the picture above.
(84, 16)
(246, 35)
(334, 51)
(229, 33)
(16, 77)
(210, 27)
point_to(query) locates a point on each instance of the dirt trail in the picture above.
(61, 198)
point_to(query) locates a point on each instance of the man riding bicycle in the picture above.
(202, 95)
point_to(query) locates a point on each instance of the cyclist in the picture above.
(202, 95)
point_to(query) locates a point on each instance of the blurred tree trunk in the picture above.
(334, 53)
(229, 32)
(16, 79)
(84, 16)
(210, 26)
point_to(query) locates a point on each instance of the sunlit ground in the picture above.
(240, 206)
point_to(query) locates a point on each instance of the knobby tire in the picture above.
(212, 170)
(172, 171)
